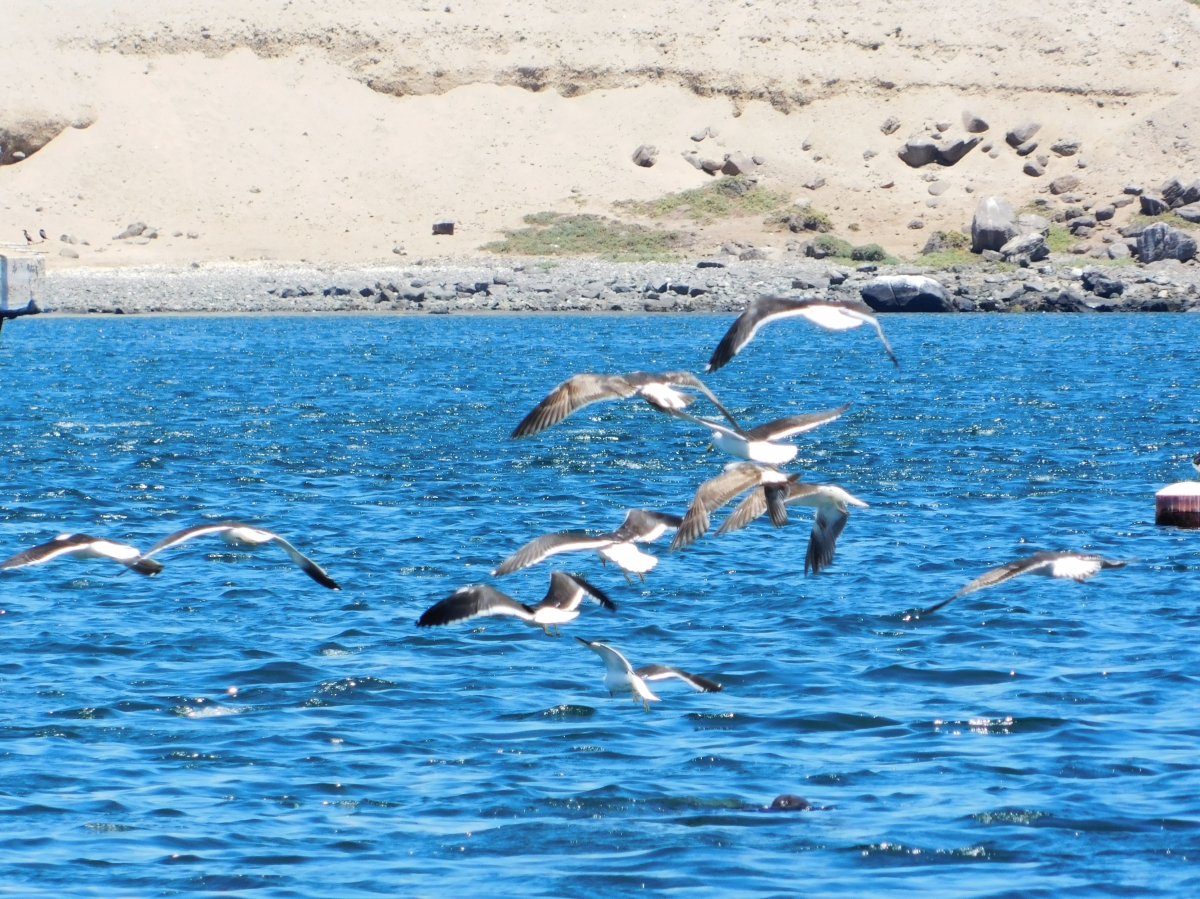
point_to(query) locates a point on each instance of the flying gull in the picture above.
(758, 444)
(581, 390)
(640, 526)
(1196, 463)
(1076, 566)
(832, 505)
(478, 600)
(832, 315)
(234, 532)
(84, 546)
(738, 477)
(620, 675)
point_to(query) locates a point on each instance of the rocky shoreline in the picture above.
(1057, 284)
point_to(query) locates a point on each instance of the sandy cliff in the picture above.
(337, 130)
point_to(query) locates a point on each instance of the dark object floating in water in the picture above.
(30, 308)
(789, 802)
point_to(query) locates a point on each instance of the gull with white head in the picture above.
(759, 444)
(832, 315)
(619, 675)
(84, 546)
(1073, 565)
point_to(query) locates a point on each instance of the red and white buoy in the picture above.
(1178, 505)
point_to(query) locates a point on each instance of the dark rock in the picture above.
(366, 292)
(837, 276)
(465, 287)
(991, 256)
(790, 803)
(1190, 195)
(906, 293)
(1189, 213)
(1022, 133)
(712, 166)
(1160, 241)
(1172, 191)
(1081, 222)
(1121, 202)
(1033, 169)
(810, 283)
(1080, 249)
(918, 151)
(709, 263)
(1063, 301)
(1064, 183)
(951, 151)
(890, 125)
(1119, 251)
(697, 291)
(738, 163)
(994, 224)
(867, 268)
(1026, 148)
(814, 183)
(645, 155)
(1030, 247)
(916, 225)
(413, 295)
(1104, 213)
(1083, 232)
(443, 226)
(1133, 229)
(1066, 146)
(134, 229)
(1101, 285)
(682, 289)
(1072, 212)
(972, 123)
(870, 154)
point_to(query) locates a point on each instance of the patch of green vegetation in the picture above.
(557, 234)
(871, 252)
(800, 218)
(833, 245)
(726, 197)
(1172, 218)
(1060, 239)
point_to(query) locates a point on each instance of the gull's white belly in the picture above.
(551, 615)
(629, 557)
(247, 536)
(761, 451)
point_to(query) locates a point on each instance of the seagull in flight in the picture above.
(737, 478)
(234, 532)
(582, 390)
(831, 502)
(619, 546)
(759, 444)
(560, 605)
(619, 675)
(1196, 463)
(832, 315)
(1076, 566)
(84, 546)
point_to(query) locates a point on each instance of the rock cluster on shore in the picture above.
(724, 285)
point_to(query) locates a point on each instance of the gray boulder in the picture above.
(1022, 133)
(1033, 169)
(1064, 183)
(994, 224)
(972, 123)
(1033, 224)
(443, 226)
(890, 125)
(738, 163)
(1026, 148)
(918, 151)
(1030, 247)
(1172, 191)
(131, 230)
(951, 151)
(1191, 194)
(1102, 285)
(1189, 213)
(645, 155)
(906, 293)
(1104, 213)
(1161, 241)
(1119, 250)
(1066, 146)
(1152, 205)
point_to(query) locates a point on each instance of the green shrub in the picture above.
(729, 196)
(871, 252)
(831, 245)
(803, 218)
(556, 234)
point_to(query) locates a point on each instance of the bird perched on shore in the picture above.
(758, 444)
(831, 502)
(1076, 566)
(832, 315)
(234, 532)
(619, 546)
(738, 477)
(560, 605)
(84, 546)
(582, 390)
(619, 675)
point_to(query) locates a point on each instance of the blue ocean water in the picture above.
(1037, 739)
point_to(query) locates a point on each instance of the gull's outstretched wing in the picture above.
(473, 601)
(662, 672)
(549, 545)
(569, 396)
